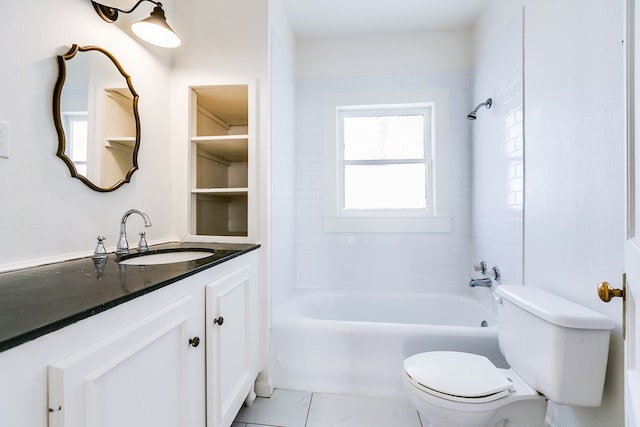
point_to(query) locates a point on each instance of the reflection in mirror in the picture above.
(95, 109)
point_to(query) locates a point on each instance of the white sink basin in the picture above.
(165, 257)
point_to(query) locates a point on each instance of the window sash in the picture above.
(425, 111)
(409, 203)
(369, 136)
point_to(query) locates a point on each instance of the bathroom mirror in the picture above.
(95, 109)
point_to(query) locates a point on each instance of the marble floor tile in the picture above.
(328, 410)
(285, 408)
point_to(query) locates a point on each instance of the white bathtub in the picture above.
(355, 343)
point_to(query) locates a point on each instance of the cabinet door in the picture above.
(229, 347)
(134, 377)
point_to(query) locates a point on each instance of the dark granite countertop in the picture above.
(38, 300)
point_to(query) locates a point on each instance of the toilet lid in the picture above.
(458, 376)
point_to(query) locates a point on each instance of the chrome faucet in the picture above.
(123, 245)
(484, 282)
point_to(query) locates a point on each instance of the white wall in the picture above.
(575, 185)
(45, 214)
(383, 54)
(224, 43)
(283, 152)
(281, 227)
(380, 261)
(497, 141)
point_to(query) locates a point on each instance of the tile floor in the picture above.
(287, 408)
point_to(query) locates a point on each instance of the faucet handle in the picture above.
(482, 267)
(496, 273)
(100, 252)
(142, 244)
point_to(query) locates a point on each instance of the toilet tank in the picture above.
(558, 347)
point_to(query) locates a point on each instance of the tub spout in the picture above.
(485, 282)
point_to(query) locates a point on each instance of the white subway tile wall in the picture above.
(380, 261)
(498, 155)
(486, 185)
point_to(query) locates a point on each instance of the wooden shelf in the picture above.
(131, 140)
(233, 148)
(123, 143)
(227, 192)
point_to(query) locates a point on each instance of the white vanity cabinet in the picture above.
(232, 344)
(140, 363)
(136, 376)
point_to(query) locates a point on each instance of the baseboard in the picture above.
(263, 386)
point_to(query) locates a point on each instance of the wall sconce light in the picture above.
(153, 29)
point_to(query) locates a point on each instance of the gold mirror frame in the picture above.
(57, 116)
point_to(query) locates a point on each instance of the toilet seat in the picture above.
(457, 376)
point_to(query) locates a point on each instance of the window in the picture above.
(385, 158)
(385, 167)
(76, 131)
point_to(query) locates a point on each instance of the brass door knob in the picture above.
(606, 292)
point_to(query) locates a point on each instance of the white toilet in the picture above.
(557, 350)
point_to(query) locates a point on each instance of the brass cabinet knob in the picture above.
(606, 292)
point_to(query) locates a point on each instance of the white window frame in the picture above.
(423, 109)
(435, 219)
(68, 120)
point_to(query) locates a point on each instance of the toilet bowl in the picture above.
(454, 389)
(557, 350)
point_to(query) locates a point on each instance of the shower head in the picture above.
(472, 115)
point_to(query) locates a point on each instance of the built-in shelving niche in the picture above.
(221, 162)
(118, 134)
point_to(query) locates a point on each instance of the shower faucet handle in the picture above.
(482, 267)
